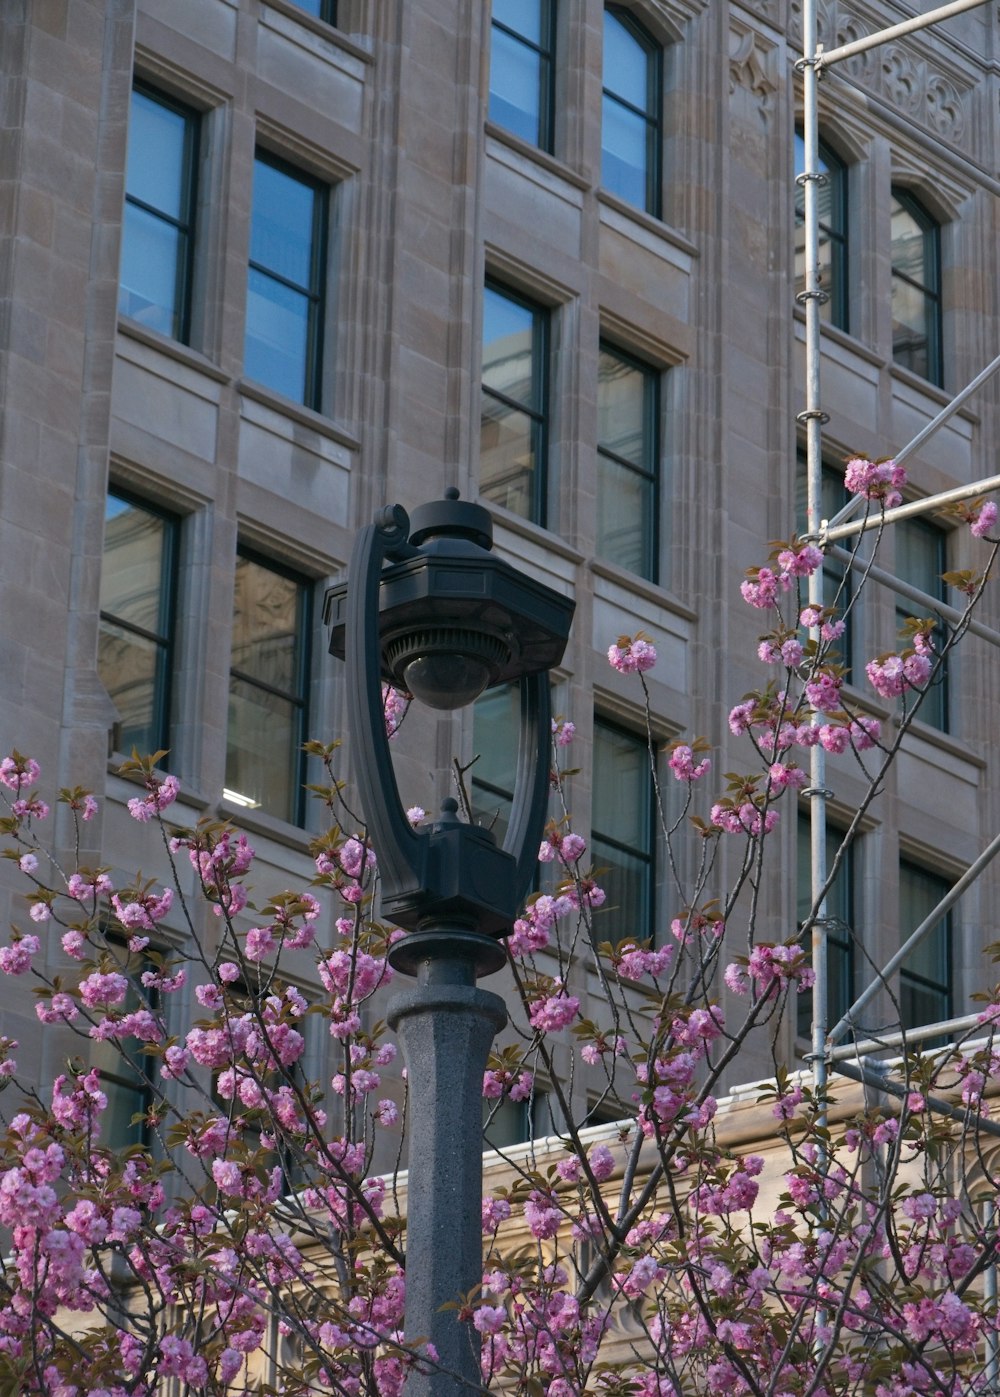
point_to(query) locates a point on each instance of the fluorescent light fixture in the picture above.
(237, 798)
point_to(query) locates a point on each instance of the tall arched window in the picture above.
(832, 197)
(916, 287)
(522, 70)
(631, 141)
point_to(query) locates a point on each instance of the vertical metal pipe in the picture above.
(813, 418)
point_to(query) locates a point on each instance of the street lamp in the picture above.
(430, 609)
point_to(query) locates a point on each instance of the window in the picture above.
(268, 687)
(497, 731)
(921, 558)
(840, 924)
(135, 640)
(514, 422)
(916, 287)
(507, 1122)
(627, 457)
(158, 231)
(128, 1075)
(925, 978)
(322, 9)
(832, 200)
(285, 287)
(630, 115)
(622, 828)
(837, 582)
(521, 69)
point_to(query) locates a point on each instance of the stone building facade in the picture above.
(266, 266)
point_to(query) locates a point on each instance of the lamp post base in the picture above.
(446, 1026)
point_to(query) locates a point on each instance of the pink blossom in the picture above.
(495, 1211)
(761, 588)
(27, 863)
(16, 959)
(984, 520)
(834, 739)
(875, 480)
(554, 1012)
(542, 1214)
(890, 675)
(16, 771)
(602, 1162)
(823, 691)
(160, 794)
(631, 655)
(387, 1113)
(683, 765)
(782, 777)
(563, 731)
(100, 989)
(489, 1319)
(801, 561)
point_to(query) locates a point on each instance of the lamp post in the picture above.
(431, 610)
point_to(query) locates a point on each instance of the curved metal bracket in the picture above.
(401, 855)
(531, 781)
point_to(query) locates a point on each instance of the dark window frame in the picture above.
(648, 856)
(837, 232)
(651, 408)
(936, 707)
(651, 115)
(546, 55)
(316, 291)
(910, 979)
(299, 700)
(930, 287)
(185, 224)
(539, 412)
(165, 639)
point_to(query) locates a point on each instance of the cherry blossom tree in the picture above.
(246, 1243)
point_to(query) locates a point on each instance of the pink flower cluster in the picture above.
(892, 675)
(743, 817)
(770, 969)
(631, 655)
(683, 765)
(985, 520)
(160, 792)
(875, 480)
(552, 1012)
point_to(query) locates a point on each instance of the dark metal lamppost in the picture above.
(430, 609)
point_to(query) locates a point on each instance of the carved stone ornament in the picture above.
(916, 87)
(749, 63)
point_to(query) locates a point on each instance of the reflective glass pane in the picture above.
(156, 152)
(508, 347)
(281, 236)
(130, 669)
(277, 336)
(908, 245)
(497, 718)
(262, 749)
(266, 626)
(621, 787)
(919, 893)
(132, 569)
(516, 86)
(621, 409)
(626, 63)
(624, 155)
(523, 16)
(624, 516)
(920, 555)
(625, 880)
(151, 270)
(911, 317)
(507, 456)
